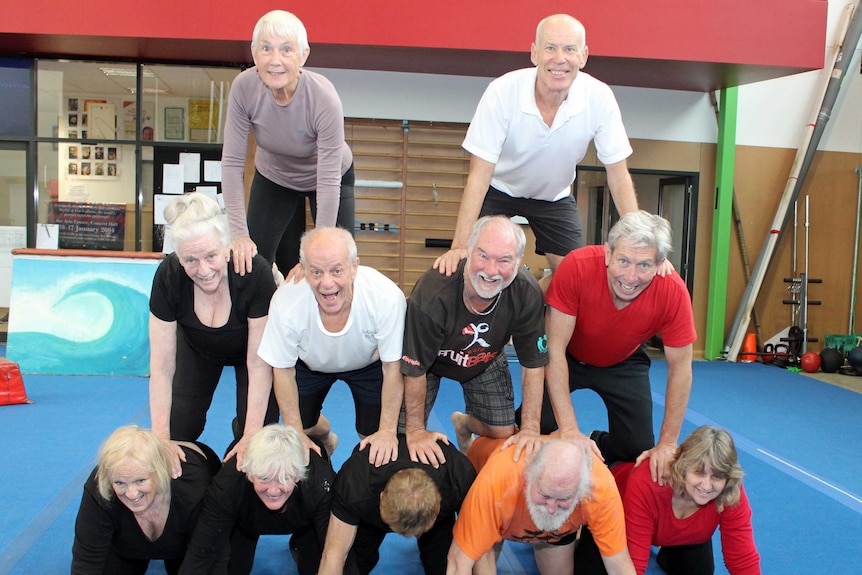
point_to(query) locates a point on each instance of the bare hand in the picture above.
(525, 441)
(422, 445)
(659, 460)
(296, 273)
(239, 450)
(578, 437)
(243, 251)
(448, 262)
(383, 447)
(665, 268)
(309, 444)
(176, 466)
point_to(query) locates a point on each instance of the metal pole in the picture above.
(803, 299)
(855, 252)
(840, 63)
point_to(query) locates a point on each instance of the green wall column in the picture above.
(722, 218)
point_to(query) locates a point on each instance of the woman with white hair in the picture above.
(297, 121)
(282, 488)
(203, 318)
(132, 511)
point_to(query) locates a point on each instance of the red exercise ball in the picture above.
(810, 361)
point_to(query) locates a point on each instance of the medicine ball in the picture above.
(831, 359)
(855, 357)
(810, 361)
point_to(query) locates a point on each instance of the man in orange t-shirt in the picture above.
(544, 503)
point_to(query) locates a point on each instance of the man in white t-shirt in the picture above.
(342, 321)
(530, 130)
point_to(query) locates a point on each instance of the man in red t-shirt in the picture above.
(604, 304)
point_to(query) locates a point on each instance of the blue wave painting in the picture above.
(80, 315)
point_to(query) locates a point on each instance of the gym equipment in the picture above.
(831, 359)
(854, 358)
(838, 64)
(799, 288)
(12, 390)
(810, 361)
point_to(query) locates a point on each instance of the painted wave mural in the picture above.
(80, 316)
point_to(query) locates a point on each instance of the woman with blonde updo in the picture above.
(203, 317)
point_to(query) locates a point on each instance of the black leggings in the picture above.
(695, 559)
(194, 384)
(276, 217)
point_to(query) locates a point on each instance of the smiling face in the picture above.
(330, 274)
(558, 53)
(134, 486)
(279, 61)
(273, 494)
(630, 270)
(204, 260)
(493, 262)
(702, 485)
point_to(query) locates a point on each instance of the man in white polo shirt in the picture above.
(530, 130)
(341, 321)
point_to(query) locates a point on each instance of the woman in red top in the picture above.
(703, 491)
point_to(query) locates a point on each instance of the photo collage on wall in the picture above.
(89, 161)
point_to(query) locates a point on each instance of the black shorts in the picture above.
(366, 385)
(556, 225)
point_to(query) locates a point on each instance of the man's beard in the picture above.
(546, 521)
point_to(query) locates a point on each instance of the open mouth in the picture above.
(330, 297)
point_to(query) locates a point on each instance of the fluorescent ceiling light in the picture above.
(126, 72)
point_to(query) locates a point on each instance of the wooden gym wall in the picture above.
(430, 163)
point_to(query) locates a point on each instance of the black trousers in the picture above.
(625, 391)
(433, 546)
(276, 217)
(194, 384)
(695, 559)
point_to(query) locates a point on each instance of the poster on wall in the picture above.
(129, 124)
(89, 226)
(203, 120)
(93, 162)
(102, 122)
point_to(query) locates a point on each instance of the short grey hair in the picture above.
(281, 23)
(276, 452)
(642, 229)
(339, 233)
(506, 224)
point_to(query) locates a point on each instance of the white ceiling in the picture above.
(182, 81)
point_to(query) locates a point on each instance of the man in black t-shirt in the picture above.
(457, 327)
(402, 496)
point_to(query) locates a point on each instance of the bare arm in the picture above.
(259, 387)
(163, 358)
(619, 564)
(528, 439)
(560, 327)
(384, 443)
(478, 180)
(163, 365)
(679, 378)
(622, 187)
(458, 562)
(421, 443)
(339, 540)
(287, 396)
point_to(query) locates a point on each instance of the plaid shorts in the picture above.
(489, 397)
